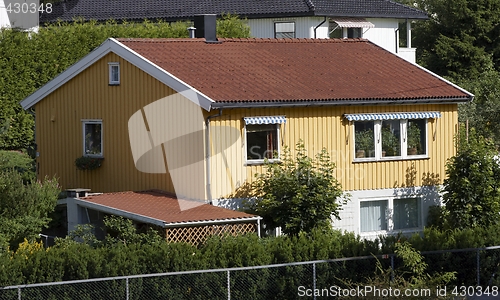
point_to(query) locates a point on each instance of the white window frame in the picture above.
(390, 215)
(92, 121)
(112, 65)
(377, 131)
(285, 22)
(261, 161)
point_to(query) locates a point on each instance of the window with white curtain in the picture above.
(390, 214)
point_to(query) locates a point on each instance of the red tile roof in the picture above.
(165, 207)
(289, 70)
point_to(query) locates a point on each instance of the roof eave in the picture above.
(344, 102)
(212, 222)
(364, 15)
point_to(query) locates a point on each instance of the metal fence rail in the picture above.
(474, 267)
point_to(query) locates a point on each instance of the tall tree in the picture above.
(472, 189)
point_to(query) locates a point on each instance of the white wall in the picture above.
(383, 34)
(304, 27)
(350, 215)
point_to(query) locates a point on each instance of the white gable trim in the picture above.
(112, 45)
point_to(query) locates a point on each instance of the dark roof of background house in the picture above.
(165, 207)
(174, 10)
(295, 70)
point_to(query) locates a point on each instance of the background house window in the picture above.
(373, 215)
(92, 138)
(406, 213)
(354, 32)
(284, 30)
(262, 141)
(114, 73)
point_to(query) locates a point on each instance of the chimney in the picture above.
(205, 28)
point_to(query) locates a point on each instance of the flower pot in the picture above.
(412, 151)
(360, 153)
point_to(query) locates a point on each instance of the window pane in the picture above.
(372, 214)
(416, 135)
(115, 74)
(406, 213)
(354, 33)
(262, 141)
(391, 138)
(284, 30)
(364, 139)
(93, 142)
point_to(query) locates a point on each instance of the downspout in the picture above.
(397, 40)
(319, 26)
(207, 151)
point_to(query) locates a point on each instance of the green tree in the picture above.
(460, 38)
(24, 209)
(472, 186)
(298, 194)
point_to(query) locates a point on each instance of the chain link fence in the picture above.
(474, 267)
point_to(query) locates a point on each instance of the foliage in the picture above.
(413, 136)
(483, 113)
(29, 60)
(24, 209)
(364, 140)
(460, 39)
(88, 163)
(472, 189)
(19, 162)
(298, 194)
(121, 230)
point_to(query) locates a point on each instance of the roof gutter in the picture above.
(256, 104)
(212, 222)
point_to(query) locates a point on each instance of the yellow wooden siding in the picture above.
(325, 127)
(88, 96)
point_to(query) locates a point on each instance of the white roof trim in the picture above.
(353, 23)
(112, 45)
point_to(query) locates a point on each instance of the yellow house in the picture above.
(197, 117)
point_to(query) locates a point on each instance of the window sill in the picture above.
(260, 162)
(114, 84)
(390, 232)
(395, 158)
(94, 155)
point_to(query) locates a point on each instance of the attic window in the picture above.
(114, 73)
(284, 30)
(348, 27)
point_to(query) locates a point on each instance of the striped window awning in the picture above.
(393, 116)
(353, 23)
(265, 120)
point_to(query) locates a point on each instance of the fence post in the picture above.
(314, 279)
(228, 285)
(478, 267)
(19, 293)
(392, 268)
(126, 288)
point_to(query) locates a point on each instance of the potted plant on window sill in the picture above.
(364, 142)
(390, 143)
(413, 139)
(88, 163)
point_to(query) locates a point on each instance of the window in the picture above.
(354, 32)
(262, 135)
(389, 136)
(390, 214)
(114, 73)
(284, 30)
(92, 138)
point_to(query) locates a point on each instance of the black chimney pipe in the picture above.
(206, 27)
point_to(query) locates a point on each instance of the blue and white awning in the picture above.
(265, 120)
(393, 116)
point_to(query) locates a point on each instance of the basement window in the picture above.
(114, 73)
(92, 138)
